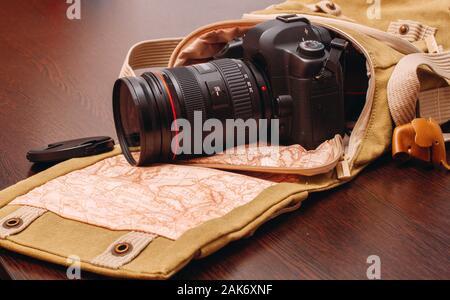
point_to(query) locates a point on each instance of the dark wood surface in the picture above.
(55, 83)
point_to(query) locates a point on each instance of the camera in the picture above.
(284, 69)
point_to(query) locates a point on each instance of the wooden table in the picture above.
(56, 77)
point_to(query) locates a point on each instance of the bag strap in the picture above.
(404, 88)
(148, 54)
(420, 138)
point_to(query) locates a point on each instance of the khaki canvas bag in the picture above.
(148, 223)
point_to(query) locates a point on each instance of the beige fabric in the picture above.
(163, 199)
(25, 216)
(404, 87)
(446, 137)
(53, 239)
(325, 6)
(392, 41)
(208, 44)
(416, 31)
(200, 45)
(435, 103)
(137, 241)
(148, 54)
(432, 45)
(380, 13)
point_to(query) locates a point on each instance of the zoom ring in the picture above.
(192, 95)
(237, 85)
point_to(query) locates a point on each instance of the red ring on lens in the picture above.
(174, 112)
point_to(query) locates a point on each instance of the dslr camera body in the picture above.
(286, 69)
(304, 69)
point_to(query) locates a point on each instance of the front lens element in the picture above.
(138, 119)
(130, 120)
(126, 117)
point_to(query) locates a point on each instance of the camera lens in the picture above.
(146, 108)
(137, 120)
(130, 124)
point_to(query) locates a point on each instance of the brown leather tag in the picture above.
(421, 139)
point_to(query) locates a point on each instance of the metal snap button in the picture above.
(121, 249)
(12, 223)
(331, 5)
(404, 29)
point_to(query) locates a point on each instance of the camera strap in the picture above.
(333, 63)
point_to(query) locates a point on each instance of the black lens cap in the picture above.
(60, 151)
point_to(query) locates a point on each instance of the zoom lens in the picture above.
(147, 108)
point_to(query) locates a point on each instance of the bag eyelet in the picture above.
(12, 223)
(121, 249)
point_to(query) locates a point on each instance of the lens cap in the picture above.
(65, 150)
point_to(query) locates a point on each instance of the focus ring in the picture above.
(192, 95)
(237, 85)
